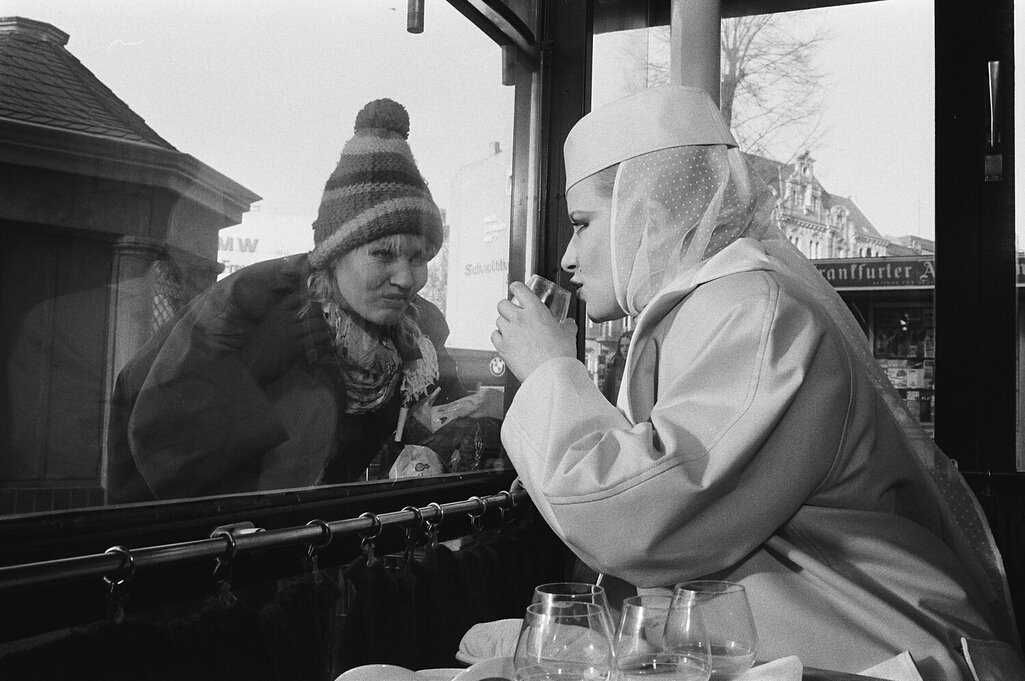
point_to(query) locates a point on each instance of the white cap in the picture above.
(657, 118)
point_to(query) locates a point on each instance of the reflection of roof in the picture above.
(42, 83)
(910, 245)
(774, 173)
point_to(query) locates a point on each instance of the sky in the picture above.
(265, 92)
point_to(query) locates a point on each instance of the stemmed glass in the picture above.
(727, 616)
(563, 640)
(578, 592)
(661, 638)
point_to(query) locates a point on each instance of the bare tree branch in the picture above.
(770, 93)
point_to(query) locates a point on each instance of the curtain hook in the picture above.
(477, 519)
(326, 535)
(117, 587)
(505, 507)
(222, 570)
(411, 533)
(367, 545)
(434, 528)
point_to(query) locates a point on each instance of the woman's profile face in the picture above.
(588, 256)
(377, 281)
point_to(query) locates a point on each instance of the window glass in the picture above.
(852, 166)
(151, 153)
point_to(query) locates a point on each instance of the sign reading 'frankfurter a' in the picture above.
(855, 273)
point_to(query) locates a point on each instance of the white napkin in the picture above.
(899, 668)
(784, 669)
(488, 640)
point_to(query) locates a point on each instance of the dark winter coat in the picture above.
(242, 391)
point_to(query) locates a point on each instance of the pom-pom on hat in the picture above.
(376, 189)
(651, 120)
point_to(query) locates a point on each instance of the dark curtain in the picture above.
(283, 637)
(414, 614)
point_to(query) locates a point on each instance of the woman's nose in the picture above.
(402, 275)
(569, 258)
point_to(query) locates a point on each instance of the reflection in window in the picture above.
(167, 149)
(843, 140)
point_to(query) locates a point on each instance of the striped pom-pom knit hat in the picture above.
(376, 189)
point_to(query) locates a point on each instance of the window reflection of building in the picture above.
(108, 230)
(820, 224)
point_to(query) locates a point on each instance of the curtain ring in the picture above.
(508, 495)
(376, 523)
(441, 513)
(127, 566)
(477, 519)
(419, 516)
(367, 545)
(231, 548)
(434, 527)
(483, 506)
(410, 533)
(326, 535)
(117, 592)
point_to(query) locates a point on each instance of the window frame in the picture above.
(553, 93)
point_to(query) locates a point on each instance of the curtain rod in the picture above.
(117, 561)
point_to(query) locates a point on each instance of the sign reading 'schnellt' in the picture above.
(478, 259)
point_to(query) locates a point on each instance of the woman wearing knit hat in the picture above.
(294, 371)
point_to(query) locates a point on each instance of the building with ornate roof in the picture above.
(107, 230)
(820, 224)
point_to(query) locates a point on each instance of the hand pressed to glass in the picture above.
(578, 592)
(727, 617)
(656, 641)
(563, 640)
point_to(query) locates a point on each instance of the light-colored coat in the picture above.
(748, 445)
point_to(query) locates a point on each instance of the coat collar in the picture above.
(743, 255)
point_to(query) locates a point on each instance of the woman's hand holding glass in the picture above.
(661, 638)
(566, 640)
(527, 335)
(727, 616)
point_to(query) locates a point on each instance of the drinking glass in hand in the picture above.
(578, 592)
(555, 298)
(563, 641)
(727, 617)
(652, 645)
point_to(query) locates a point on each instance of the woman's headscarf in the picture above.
(683, 192)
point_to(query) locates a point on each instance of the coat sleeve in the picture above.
(202, 419)
(736, 439)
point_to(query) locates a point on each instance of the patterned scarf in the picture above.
(372, 364)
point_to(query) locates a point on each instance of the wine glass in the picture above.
(727, 617)
(657, 641)
(579, 592)
(565, 640)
